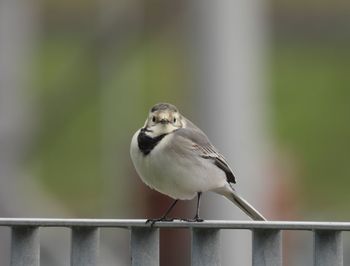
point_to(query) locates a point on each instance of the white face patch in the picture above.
(163, 128)
(162, 122)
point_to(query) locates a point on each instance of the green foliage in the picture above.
(88, 113)
(311, 107)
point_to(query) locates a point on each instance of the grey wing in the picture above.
(202, 146)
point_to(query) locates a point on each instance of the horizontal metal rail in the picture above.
(144, 240)
(220, 224)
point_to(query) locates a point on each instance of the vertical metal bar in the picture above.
(84, 246)
(144, 244)
(226, 58)
(205, 247)
(328, 248)
(267, 247)
(25, 246)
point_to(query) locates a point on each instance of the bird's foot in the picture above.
(161, 219)
(195, 219)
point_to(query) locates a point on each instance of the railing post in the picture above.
(328, 248)
(84, 246)
(144, 244)
(267, 247)
(25, 246)
(205, 247)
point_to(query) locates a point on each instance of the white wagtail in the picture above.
(174, 157)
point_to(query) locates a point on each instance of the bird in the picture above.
(175, 157)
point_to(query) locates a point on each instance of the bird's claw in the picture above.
(162, 219)
(195, 219)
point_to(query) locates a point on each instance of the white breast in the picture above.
(175, 175)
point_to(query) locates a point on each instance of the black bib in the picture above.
(147, 143)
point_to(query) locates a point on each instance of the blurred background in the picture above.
(267, 80)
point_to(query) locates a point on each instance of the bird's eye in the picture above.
(174, 120)
(153, 119)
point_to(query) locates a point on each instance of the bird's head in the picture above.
(163, 118)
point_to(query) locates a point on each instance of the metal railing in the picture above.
(144, 241)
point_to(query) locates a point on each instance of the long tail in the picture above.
(245, 206)
(230, 193)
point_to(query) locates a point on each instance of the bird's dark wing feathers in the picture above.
(209, 152)
(202, 145)
(223, 166)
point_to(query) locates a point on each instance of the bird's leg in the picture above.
(196, 217)
(164, 218)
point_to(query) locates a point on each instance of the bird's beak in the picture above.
(164, 118)
(164, 121)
